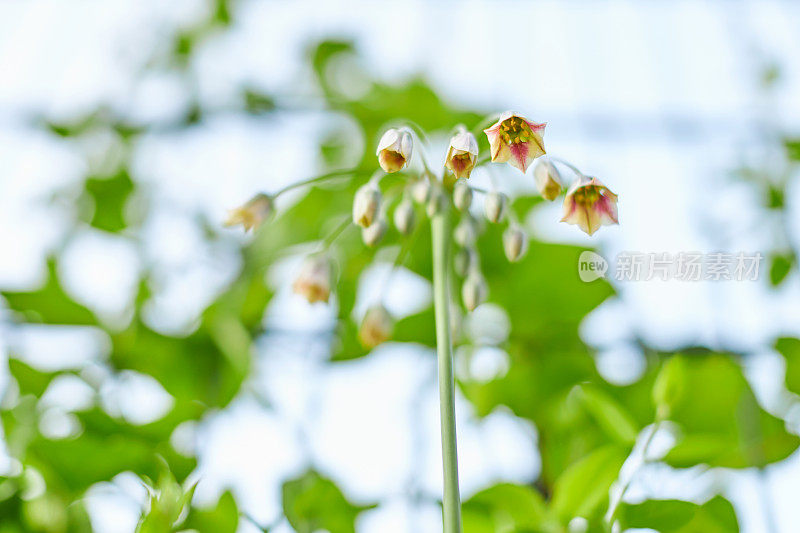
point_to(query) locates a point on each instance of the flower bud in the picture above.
(372, 234)
(437, 202)
(252, 214)
(462, 195)
(421, 190)
(314, 280)
(462, 154)
(515, 140)
(515, 243)
(405, 217)
(465, 233)
(376, 328)
(394, 149)
(465, 260)
(589, 204)
(474, 290)
(495, 206)
(548, 179)
(366, 204)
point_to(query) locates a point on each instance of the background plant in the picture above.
(586, 426)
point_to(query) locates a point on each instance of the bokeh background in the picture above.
(140, 337)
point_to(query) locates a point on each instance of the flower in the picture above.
(394, 149)
(405, 217)
(314, 279)
(548, 179)
(462, 195)
(495, 206)
(462, 154)
(421, 190)
(376, 328)
(252, 214)
(589, 204)
(515, 140)
(366, 204)
(515, 243)
(474, 290)
(372, 234)
(465, 233)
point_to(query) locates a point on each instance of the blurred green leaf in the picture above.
(312, 503)
(223, 518)
(610, 415)
(109, 196)
(49, 304)
(675, 516)
(790, 350)
(30, 380)
(723, 425)
(779, 267)
(505, 507)
(583, 487)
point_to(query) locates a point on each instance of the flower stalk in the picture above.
(451, 500)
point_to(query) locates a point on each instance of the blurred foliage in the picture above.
(586, 426)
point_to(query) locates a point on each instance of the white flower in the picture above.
(252, 214)
(365, 204)
(548, 179)
(462, 154)
(394, 149)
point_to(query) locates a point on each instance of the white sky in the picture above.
(657, 98)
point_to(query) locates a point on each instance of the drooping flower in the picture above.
(462, 154)
(372, 234)
(462, 195)
(421, 190)
(515, 243)
(548, 179)
(474, 290)
(365, 204)
(394, 149)
(515, 140)
(495, 206)
(376, 328)
(589, 204)
(253, 213)
(405, 217)
(314, 280)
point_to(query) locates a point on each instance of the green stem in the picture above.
(309, 181)
(451, 502)
(612, 511)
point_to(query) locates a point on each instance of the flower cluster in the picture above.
(512, 139)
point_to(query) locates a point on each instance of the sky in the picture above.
(660, 99)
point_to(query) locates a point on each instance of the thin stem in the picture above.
(487, 121)
(335, 233)
(567, 164)
(451, 504)
(316, 179)
(614, 507)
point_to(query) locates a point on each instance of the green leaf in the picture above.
(109, 196)
(779, 267)
(312, 503)
(30, 380)
(720, 420)
(504, 507)
(790, 349)
(583, 487)
(675, 516)
(669, 385)
(223, 518)
(609, 414)
(50, 304)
